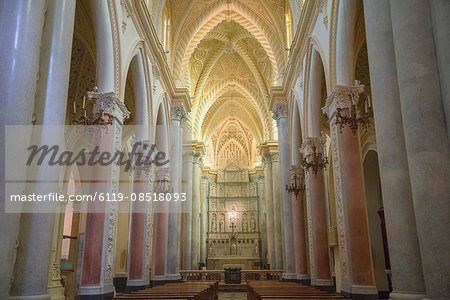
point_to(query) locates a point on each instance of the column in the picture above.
(440, 10)
(277, 230)
(34, 252)
(137, 269)
(19, 67)
(280, 114)
(187, 210)
(160, 235)
(204, 219)
(178, 117)
(197, 160)
(407, 277)
(268, 197)
(101, 219)
(427, 143)
(301, 266)
(54, 286)
(313, 151)
(262, 224)
(354, 244)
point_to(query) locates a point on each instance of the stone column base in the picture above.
(405, 296)
(34, 297)
(290, 277)
(173, 278)
(362, 292)
(303, 279)
(105, 292)
(326, 285)
(136, 285)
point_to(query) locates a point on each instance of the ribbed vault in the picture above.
(228, 53)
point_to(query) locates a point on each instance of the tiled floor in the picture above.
(232, 296)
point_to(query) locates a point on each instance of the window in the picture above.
(288, 24)
(166, 22)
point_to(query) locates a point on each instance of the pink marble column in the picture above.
(161, 225)
(136, 278)
(95, 219)
(313, 149)
(299, 231)
(97, 268)
(354, 245)
(353, 189)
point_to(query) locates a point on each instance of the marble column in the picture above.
(298, 216)
(160, 236)
(21, 24)
(440, 10)
(280, 114)
(406, 270)
(313, 150)
(137, 271)
(101, 219)
(354, 243)
(262, 224)
(277, 229)
(54, 285)
(34, 252)
(178, 117)
(187, 210)
(269, 215)
(426, 139)
(196, 173)
(204, 219)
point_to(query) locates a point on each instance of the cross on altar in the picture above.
(232, 226)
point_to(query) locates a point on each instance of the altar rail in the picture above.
(246, 275)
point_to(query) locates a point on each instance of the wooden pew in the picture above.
(202, 290)
(271, 290)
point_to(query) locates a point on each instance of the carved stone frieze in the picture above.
(110, 104)
(281, 110)
(178, 113)
(341, 97)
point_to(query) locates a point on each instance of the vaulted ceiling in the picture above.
(228, 53)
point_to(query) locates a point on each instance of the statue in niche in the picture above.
(256, 249)
(244, 223)
(233, 247)
(214, 223)
(222, 223)
(253, 224)
(211, 250)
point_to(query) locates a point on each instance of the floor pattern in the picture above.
(232, 296)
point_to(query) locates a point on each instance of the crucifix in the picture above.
(232, 226)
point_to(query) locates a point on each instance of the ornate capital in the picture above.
(197, 158)
(296, 171)
(281, 110)
(260, 178)
(188, 157)
(274, 156)
(266, 158)
(177, 113)
(110, 104)
(341, 97)
(311, 143)
(205, 179)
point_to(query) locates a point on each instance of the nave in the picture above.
(302, 142)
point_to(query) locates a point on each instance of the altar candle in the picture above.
(368, 99)
(74, 107)
(84, 101)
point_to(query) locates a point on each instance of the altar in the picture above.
(233, 234)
